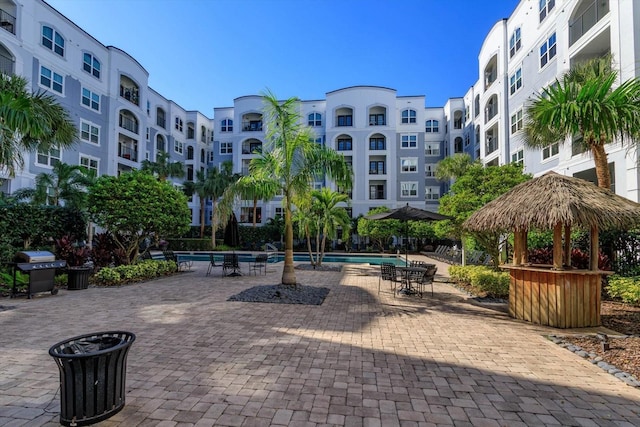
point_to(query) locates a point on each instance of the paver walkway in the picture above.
(360, 359)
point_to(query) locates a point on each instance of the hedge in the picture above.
(144, 270)
(625, 288)
(494, 283)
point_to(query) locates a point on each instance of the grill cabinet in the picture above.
(41, 267)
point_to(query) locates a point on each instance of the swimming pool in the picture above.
(298, 257)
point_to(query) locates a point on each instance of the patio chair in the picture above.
(259, 264)
(388, 272)
(231, 262)
(426, 279)
(212, 263)
(180, 264)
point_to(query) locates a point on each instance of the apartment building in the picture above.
(393, 142)
(120, 119)
(525, 53)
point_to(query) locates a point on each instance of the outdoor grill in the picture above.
(41, 267)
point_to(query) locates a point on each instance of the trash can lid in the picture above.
(92, 344)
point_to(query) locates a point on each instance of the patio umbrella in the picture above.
(408, 213)
(232, 232)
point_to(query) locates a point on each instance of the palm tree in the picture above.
(199, 188)
(163, 167)
(65, 185)
(330, 216)
(453, 167)
(584, 103)
(30, 122)
(250, 188)
(216, 183)
(291, 161)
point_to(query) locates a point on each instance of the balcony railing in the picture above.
(252, 126)
(583, 23)
(379, 171)
(251, 149)
(490, 112)
(127, 152)
(6, 65)
(491, 145)
(7, 21)
(128, 123)
(131, 94)
(377, 195)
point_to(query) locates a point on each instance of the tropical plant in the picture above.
(253, 189)
(64, 185)
(215, 185)
(291, 161)
(327, 214)
(135, 206)
(584, 103)
(30, 122)
(72, 250)
(453, 166)
(163, 167)
(379, 232)
(199, 188)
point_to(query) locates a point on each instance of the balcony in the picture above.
(252, 126)
(7, 21)
(593, 12)
(252, 148)
(491, 145)
(490, 112)
(128, 123)
(6, 62)
(131, 94)
(127, 151)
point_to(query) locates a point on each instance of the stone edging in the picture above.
(596, 360)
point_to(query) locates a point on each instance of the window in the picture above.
(550, 151)
(516, 122)
(48, 158)
(160, 143)
(476, 106)
(148, 134)
(51, 80)
(178, 147)
(52, 40)
(148, 108)
(377, 143)
(346, 120)
(409, 164)
(548, 50)
(191, 130)
(179, 124)
(518, 157)
(345, 144)
(226, 148)
(545, 8)
(315, 119)
(515, 81)
(89, 132)
(430, 170)
(90, 163)
(457, 145)
(432, 149)
(377, 167)
(279, 212)
(91, 65)
(376, 192)
(376, 120)
(408, 116)
(246, 214)
(161, 118)
(226, 125)
(432, 126)
(467, 139)
(515, 42)
(90, 99)
(409, 189)
(203, 134)
(432, 193)
(408, 141)
(190, 153)
(210, 157)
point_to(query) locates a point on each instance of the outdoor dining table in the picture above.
(407, 273)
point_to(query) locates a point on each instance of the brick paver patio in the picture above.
(360, 359)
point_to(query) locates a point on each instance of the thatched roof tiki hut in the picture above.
(555, 295)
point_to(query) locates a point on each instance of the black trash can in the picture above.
(92, 376)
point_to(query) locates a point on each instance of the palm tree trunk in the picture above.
(214, 224)
(201, 216)
(288, 272)
(308, 236)
(255, 210)
(602, 166)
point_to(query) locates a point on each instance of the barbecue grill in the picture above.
(41, 267)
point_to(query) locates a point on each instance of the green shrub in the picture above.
(482, 279)
(107, 277)
(625, 288)
(144, 270)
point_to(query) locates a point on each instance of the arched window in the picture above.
(432, 126)
(160, 145)
(191, 130)
(314, 119)
(52, 40)
(128, 121)
(226, 125)
(190, 153)
(7, 62)
(161, 118)
(408, 116)
(91, 65)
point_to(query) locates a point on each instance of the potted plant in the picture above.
(76, 255)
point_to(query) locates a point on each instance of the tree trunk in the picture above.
(255, 211)
(308, 237)
(214, 224)
(602, 166)
(201, 217)
(288, 272)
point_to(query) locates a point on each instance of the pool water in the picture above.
(346, 259)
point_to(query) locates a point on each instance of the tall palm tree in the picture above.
(217, 181)
(65, 185)
(163, 167)
(253, 189)
(585, 103)
(30, 122)
(291, 161)
(330, 216)
(199, 188)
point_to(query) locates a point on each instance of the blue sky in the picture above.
(204, 53)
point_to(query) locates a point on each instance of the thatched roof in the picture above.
(543, 202)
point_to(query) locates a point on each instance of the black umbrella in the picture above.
(408, 213)
(232, 232)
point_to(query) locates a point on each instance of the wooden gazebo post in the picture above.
(557, 247)
(595, 248)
